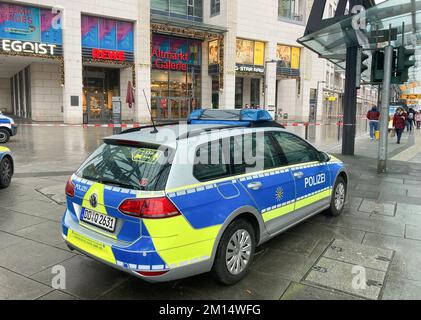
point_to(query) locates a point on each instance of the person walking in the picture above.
(373, 116)
(399, 123)
(418, 120)
(410, 120)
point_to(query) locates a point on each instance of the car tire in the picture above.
(339, 195)
(4, 136)
(235, 253)
(6, 172)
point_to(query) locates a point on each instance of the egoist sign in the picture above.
(28, 47)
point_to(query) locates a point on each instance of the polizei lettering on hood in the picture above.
(28, 47)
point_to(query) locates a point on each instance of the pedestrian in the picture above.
(410, 120)
(399, 122)
(247, 106)
(373, 116)
(418, 120)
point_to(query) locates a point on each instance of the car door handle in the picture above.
(298, 175)
(254, 185)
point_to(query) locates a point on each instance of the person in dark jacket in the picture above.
(373, 116)
(410, 122)
(399, 123)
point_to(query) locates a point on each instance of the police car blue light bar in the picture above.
(229, 117)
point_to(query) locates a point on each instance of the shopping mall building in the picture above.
(69, 61)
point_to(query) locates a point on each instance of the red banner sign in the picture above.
(100, 54)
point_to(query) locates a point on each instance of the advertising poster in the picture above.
(283, 54)
(214, 52)
(50, 27)
(23, 23)
(19, 23)
(125, 36)
(177, 46)
(107, 34)
(259, 53)
(195, 51)
(90, 32)
(295, 58)
(245, 52)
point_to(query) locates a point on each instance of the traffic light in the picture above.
(377, 68)
(361, 66)
(404, 63)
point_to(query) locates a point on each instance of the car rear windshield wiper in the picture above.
(118, 184)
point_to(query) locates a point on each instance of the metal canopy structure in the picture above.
(332, 42)
(339, 40)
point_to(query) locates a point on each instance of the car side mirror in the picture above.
(324, 157)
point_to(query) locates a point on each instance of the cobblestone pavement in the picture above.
(379, 234)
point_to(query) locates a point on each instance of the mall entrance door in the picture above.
(100, 85)
(173, 108)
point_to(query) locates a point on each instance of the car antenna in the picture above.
(155, 130)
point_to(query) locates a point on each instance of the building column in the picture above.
(206, 79)
(227, 95)
(72, 51)
(143, 64)
(270, 77)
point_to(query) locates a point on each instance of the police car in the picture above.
(8, 128)
(6, 167)
(182, 200)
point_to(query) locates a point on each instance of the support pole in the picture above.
(384, 118)
(350, 102)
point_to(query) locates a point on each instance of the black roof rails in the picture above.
(138, 129)
(263, 124)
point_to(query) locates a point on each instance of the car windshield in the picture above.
(129, 167)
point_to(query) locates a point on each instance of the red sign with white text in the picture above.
(111, 55)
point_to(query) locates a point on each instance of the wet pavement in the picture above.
(378, 236)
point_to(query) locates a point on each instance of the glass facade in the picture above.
(176, 76)
(182, 9)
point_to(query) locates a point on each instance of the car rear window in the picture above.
(130, 167)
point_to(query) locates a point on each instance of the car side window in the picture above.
(296, 150)
(254, 152)
(210, 163)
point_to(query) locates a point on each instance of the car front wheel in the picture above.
(6, 171)
(338, 201)
(4, 135)
(235, 253)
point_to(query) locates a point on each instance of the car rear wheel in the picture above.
(6, 171)
(235, 253)
(338, 201)
(4, 135)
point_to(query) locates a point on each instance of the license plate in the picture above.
(99, 220)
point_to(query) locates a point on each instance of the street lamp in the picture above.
(317, 98)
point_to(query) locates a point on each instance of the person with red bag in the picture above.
(399, 123)
(373, 116)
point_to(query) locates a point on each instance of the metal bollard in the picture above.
(306, 130)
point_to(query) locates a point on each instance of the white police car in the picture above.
(183, 200)
(8, 128)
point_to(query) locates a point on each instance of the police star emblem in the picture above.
(279, 194)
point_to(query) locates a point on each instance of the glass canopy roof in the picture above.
(331, 42)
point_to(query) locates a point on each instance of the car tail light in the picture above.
(70, 188)
(155, 208)
(152, 273)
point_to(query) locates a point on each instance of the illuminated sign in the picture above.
(170, 60)
(101, 54)
(252, 69)
(28, 47)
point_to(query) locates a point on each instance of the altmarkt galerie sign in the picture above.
(30, 31)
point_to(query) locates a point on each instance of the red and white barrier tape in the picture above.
(130, 126)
